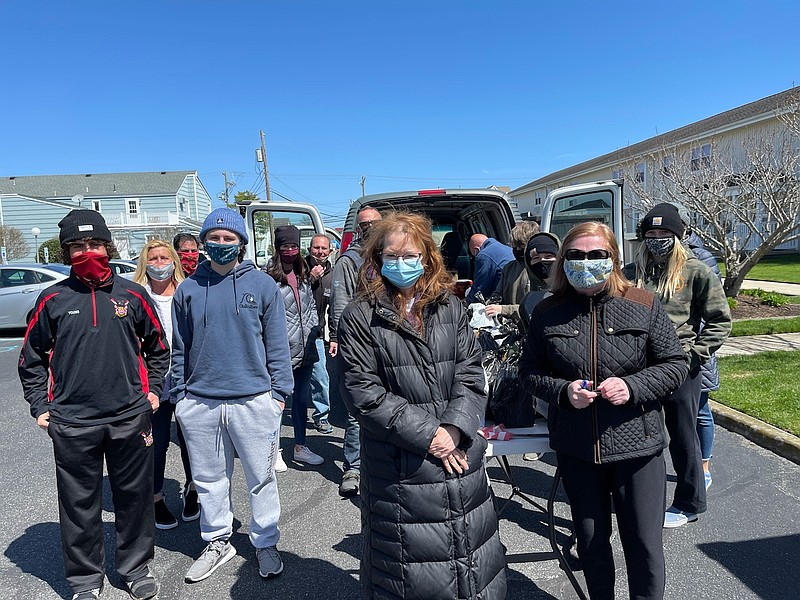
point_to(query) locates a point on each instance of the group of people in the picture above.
(610, 358)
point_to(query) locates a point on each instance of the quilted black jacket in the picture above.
(574, 337)
(426, 534)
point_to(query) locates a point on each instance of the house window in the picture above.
(96, 205)
(666, 165)
(618, 174)
(640, 173)
(133, 206)
(701, 157)
(537, 200)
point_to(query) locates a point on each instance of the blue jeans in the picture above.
(342, 418)
(705, 428)
(320, 382)
(299, 402)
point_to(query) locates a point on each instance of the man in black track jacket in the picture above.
(92, 366)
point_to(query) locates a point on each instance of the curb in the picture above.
(760, 433)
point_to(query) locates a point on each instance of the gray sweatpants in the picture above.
(213, 428)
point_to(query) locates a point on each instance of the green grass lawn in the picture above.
(765, 326)
(758, 386)
(784, 268)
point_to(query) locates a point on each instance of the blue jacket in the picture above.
(489, 263)
(229, 339)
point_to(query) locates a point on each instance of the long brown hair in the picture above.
(616, 284)
(434, 282)
(274, 269)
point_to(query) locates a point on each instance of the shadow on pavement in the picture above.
(768, 566)
(38, 552)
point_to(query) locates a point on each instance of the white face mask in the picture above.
(587, 273)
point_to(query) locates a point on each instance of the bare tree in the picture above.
(743, 191)
(14, 241)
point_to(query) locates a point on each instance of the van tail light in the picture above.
(347, 238)
(431, 192)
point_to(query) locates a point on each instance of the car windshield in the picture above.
(57, 267)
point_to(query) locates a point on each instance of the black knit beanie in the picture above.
(82, 223)
(663, 216)
(286, 234)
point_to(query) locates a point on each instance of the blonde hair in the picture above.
(616, 284)
(140, 276)
(434, 282)
(671, 279)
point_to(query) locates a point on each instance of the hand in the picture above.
(333, 349)
(492, 310)
(457, 462)
(579, 395)
(317, 272)
(615, 390)
(444, 441)
(43, 420)
(153, 400)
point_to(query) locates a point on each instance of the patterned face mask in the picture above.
(585, 274)
(222, 254)
(660, 247)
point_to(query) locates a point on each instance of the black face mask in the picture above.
(542, 269)
(519, 255)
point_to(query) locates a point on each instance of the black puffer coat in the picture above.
(427, 534)
(574, 337)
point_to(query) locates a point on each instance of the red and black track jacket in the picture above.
(91, 355)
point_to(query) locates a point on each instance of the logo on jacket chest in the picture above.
(248, 301)
(120, 307)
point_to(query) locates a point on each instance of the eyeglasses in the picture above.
(393, 259)
(365, 225)
(591, 254)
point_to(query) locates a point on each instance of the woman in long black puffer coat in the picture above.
(412, 377)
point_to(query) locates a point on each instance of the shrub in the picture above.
(732, 303)
(774, 299)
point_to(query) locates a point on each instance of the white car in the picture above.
(20, 285)
(124, 268)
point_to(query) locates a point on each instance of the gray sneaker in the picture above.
(216, 554)
(269, 562)
(143, 587)
(350, 482)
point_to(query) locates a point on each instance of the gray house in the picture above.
(137, 206)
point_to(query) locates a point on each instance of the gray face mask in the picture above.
(660, 247)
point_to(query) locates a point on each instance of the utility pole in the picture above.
(363, 179)
(264, 161)
(225, 192)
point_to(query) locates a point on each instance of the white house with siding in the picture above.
(136, 206)
(726, 133)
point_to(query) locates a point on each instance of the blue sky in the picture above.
(409, 94)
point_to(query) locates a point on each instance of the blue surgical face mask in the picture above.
(222, 254)
(401, 274)
(160, 273)
(585, 274)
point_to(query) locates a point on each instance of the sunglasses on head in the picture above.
(590, 255)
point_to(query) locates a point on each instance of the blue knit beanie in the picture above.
(224, 218)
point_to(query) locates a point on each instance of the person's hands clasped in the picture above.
(444, 446)
(615, 390)
(579, 394)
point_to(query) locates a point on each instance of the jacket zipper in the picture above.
(94, 310)
(593, 378)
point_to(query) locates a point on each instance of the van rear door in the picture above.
(601, 201)
(261, 219)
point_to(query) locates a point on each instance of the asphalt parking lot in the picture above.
(744, 548)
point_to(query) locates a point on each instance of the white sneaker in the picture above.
(304, 455)
(280, 465)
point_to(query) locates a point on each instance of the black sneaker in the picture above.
(350, 482)
(164, 518)
(191, 506)
(323, 426)
(143, 588)
(93, 594)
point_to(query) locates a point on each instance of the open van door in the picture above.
(601, 201)
(261, 219)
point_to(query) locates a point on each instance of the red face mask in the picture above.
(189, 260)
(91, 268)
(288, 256)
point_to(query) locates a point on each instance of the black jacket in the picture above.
(90, 356)
(574, 337)
(321, 289)
(426, 534)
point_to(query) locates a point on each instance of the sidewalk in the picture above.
(776, 440)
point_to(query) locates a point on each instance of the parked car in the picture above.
(20, 285)
(124, 268)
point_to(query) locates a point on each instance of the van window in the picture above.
(264, 224)
(572, 210)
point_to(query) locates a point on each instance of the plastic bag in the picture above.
(510, 403)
